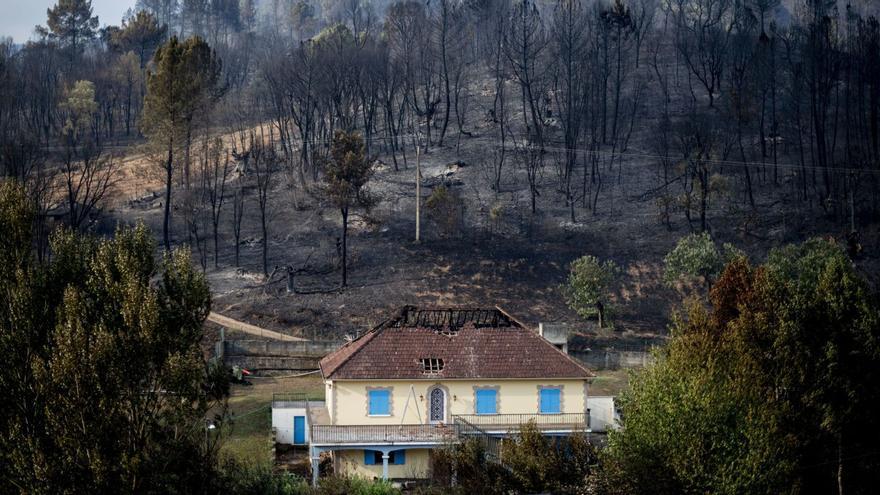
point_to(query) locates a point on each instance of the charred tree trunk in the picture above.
(344, 211)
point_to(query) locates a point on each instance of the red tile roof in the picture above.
(473, 343)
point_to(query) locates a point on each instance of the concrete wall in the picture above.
(351, 463)
(273, 363)
(274, 355)
(612, 359)
(348, 404)
(603, 415)
(282, 422)
(305, 348)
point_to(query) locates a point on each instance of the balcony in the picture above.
(503, 423)
(381, 434)
(463, 425)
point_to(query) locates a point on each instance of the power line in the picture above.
(642, 154)
(710, 160)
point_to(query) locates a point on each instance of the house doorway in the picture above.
(437, 405)
(299, 430)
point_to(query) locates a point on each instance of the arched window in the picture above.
(437, 410)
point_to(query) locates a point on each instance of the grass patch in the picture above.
(609, 382)
(247, 438)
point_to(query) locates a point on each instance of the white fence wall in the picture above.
(603, 414)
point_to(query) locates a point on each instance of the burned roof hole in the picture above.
(450, 320)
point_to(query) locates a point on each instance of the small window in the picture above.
(374, 457)
(431, 365)
(380, 402)
(551, 401)
(487, 401)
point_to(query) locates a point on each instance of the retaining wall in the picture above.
(274, 355)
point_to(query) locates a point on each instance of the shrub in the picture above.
(538, 463)
(693, 257)
(241, 478)
(444, 208)
(344, 485)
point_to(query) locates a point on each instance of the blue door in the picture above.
(299, 430)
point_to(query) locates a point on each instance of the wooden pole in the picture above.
(418, 188)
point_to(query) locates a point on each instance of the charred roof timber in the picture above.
(451, 318)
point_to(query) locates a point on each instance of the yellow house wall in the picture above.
(351, 463)
(348, 402)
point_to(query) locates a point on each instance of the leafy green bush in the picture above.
(538, 463)
(463, 468)
(532, 463)
(240, 478)
(345, 485)
(696, 256)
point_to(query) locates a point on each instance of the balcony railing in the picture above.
(293, 399)
(506, 422)
(381, 434)
(463, 425)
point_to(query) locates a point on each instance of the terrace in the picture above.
(324, 434)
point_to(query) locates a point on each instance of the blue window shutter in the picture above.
(379, 402)
(550, 401)
(487, 401)
(369, 457)
(399, 457)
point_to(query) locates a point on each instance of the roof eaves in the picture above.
(362, 340)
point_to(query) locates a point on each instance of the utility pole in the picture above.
(418, 185)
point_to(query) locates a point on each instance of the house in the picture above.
(428, 377)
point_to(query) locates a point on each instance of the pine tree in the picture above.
(347, 172)
(141, 34)
(184, 82)
(71, 23)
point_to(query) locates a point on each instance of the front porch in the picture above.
(489, 429)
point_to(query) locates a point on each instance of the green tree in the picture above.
(345, 175)
(696, 257)
(108, 389)
(71, 23)
(141, 34)
(183, 83)
(587, 287)
(775, 389)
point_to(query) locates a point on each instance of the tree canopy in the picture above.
(774, 389)
(346, 173)
(105, 385)
(696, 257)
(588, 285)
(184, 82)
(71, 23)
